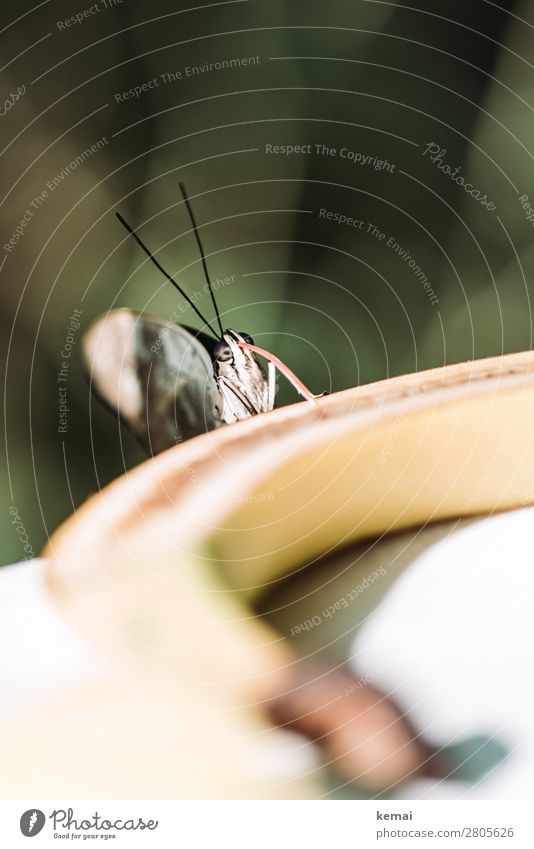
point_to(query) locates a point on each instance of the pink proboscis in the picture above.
(283, 369)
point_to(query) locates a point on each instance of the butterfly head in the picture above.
(229, 357)
(240, 377)
(228, 349)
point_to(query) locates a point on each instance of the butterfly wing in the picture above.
(155, 375)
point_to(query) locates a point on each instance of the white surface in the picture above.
(454, 641)
(39, 651)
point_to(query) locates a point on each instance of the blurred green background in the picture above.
(374, 81)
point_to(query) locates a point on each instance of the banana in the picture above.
(159, 570)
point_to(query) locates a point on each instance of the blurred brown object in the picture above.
(364, 736)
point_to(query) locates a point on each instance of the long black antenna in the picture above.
(202, 256)
(132, 232)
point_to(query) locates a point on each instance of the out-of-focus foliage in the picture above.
(339, 303)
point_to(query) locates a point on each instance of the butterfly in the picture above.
(169, 382)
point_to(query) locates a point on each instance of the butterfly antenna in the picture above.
(184, 294)
(202, 256)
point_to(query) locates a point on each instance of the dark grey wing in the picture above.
(155, 375)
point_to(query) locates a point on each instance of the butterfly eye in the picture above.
(222, 351)
(246, 338)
